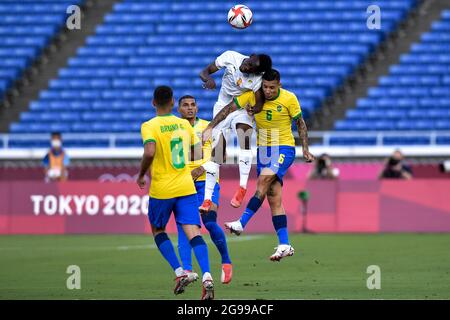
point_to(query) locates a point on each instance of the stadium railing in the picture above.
(433, 143)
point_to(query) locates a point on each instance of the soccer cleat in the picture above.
(227, 273)
(206, 206)
(183, 281)
(238, 197)
(283, 250)
(208, 290)
(234, 227)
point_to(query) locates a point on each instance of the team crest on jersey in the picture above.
(279, 108)
(250, 81)
(239, 82)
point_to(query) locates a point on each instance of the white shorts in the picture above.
(230, 122)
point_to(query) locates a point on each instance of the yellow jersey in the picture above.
(274, 122)
(173, 136)
(199, 126)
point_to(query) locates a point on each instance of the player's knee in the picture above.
(156, 231)
(197, 241)
(209, 218)
(160, 238)
(266, 180)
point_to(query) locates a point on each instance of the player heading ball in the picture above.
(242, 74)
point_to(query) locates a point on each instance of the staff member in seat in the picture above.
(56, 160)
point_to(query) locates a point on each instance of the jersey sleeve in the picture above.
(294, 108)
(257, 84)
(225, 59)
(244, 99)
(147, 133)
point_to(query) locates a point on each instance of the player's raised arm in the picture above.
(303, 134)
(205, 75)
(259, 102)
(147, 159)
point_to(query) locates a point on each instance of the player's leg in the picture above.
(244, 133)
(186, 213)
(272, 165)
(263, 183)
(201, 254)
(279, 220)
(216, 233)
(184, 249)
(212, 168)
(167, 250)
(159, 212)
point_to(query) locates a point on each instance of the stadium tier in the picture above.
(108, 85)
(415, 96)
(26, 28)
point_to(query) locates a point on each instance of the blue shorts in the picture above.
(184, 208)
(277, 158)
(200, 187)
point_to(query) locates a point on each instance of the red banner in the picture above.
(334, 206)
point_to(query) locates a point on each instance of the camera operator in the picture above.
(323, 169)
(395, 168)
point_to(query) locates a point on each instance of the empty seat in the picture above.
(108, 85)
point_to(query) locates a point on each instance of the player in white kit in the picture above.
(242, 73)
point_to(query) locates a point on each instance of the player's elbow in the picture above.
(149, 151)
(147, 156)
(257, 108)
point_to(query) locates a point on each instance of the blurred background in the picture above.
(376, 101)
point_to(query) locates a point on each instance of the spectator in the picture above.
(323, 169)
(395, 168)
(56, 160)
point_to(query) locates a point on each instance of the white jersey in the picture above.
(234, 82)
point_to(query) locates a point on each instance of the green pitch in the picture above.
(413, 266)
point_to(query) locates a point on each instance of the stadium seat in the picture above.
(107, 86)
(25, 29)
(414, 95)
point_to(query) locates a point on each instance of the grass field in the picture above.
(413, 266)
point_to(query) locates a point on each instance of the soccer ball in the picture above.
(240, 16)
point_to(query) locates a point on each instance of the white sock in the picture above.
(212, 173)
(179, 271)
(206, 276)
(245, 164)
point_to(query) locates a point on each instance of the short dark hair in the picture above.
(271, 75)
(265, 63)
(162, 96)
(56, 134)
(187, 96)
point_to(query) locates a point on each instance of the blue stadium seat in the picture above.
(415, 94)
(443, 140)
(406, 140)
(25, 29)
(353, 141)
(107, 86)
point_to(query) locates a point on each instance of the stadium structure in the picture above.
(372, 77)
